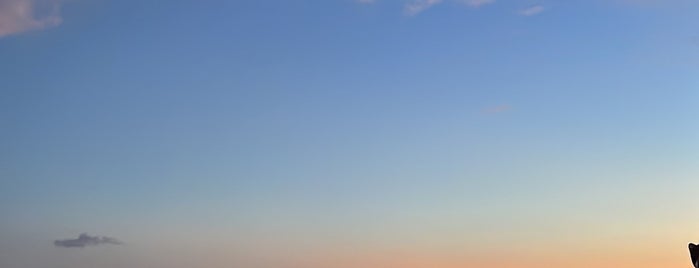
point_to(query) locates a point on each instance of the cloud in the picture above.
(648, 3)
(497, 109)
(416, 6)
(17, 16)
(694, 40)
(531, 11)
(86, 240)
(478, 3)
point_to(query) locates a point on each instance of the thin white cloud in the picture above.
(416, 6)
(644, 2)
(531, 11)
(478, 3)
(17, 16)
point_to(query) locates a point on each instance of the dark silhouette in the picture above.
(694, 253)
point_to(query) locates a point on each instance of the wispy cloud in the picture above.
(694, 40)
(531, 11)
(416, 6)
(18, 16)
(651, 3)
(85, 240)
(478, 3)
(497, 109)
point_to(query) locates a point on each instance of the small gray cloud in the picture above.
(85, 240)
(694, 40)
(497, 109)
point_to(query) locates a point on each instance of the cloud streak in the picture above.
(85, 240)
(694, 40)
(531, 11)
(497, 109)
(17, 16)
(478, 3)
(417, 6)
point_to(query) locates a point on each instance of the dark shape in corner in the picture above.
(86, 240)
(694, 253)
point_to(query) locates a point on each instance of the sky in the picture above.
(348, 133)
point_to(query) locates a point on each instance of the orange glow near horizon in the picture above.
(644, 256)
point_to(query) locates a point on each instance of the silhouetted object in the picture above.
(694, 252)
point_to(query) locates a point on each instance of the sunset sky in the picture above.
(349, 133)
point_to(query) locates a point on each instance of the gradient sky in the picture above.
(349, 134)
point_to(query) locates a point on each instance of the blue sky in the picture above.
(271, 133)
